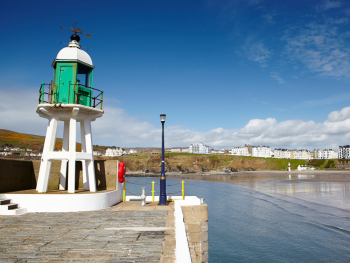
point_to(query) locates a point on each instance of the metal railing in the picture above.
(42, 93)
(46, 89)
(93, 100)
(182, 190)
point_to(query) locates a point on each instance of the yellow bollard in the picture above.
(152, 191)
(183, 190)
(124, 192)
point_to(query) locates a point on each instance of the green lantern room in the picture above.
(73, 76)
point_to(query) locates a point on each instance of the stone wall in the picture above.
(196, 224)
(16, 175)
(105, 172)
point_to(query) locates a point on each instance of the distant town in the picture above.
(201, 148)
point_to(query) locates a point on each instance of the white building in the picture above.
(97, 153)
(327, 154)
(132, 151)
(261, 151)
(114, 151)
(282, 153)
(199, 148)
(242, 151)
(344, 152)
(298, 154)
(306, 154)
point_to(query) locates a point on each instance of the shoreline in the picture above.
(234, 177)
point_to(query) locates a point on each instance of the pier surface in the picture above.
(123, 233)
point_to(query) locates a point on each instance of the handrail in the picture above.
(91, 97)
(51, 96)
(42, 93)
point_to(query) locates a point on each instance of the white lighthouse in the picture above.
(70, 98)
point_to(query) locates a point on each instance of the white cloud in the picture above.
(256, 51)
(321, 49)
(117, 128)
(269, 18)
(339, 21)
(337, 98)
(17, 107)
(328, 4)
(277, 77)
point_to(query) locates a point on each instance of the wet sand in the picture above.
(271, 175)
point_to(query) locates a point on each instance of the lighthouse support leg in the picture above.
(72, 150)
(89, 149)
(64, 163)
(49, 146)
(83, 162)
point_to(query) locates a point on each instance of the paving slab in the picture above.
(126, 232)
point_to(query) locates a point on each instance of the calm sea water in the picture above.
(272, 220)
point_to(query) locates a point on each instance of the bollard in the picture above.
(123, 191)
(143, 196)
(183, 190)
(288, 166)
(152, 191)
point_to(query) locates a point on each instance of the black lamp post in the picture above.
(162, 197)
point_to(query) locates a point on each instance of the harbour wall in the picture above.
(196, 224)
(16, 175)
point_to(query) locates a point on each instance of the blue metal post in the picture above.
(162, 197)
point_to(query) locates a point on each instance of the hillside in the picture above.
(197, 163)
(24, 141)
(145, 161)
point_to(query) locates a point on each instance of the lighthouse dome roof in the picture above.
(74, 53)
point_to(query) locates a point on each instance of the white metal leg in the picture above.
(72, 150)
(49, 146)
(89, 149)
(83, 162)
(64, 163)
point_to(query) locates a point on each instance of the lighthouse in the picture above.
(71, 98)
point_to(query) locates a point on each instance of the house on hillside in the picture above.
(240, 151)
(344, 152)
(261, 151)
(200, 148)
(114, 151)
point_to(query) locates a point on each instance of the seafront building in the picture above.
(114, 151)
(241, 151)
(327, 154)
(132, 151)
(200, 148)
(280, 153)
(344, 152)
(261, 151)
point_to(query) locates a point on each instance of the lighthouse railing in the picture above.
(47, 95)
(42, 93)
(94, 100)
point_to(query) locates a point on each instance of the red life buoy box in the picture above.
(121, 172)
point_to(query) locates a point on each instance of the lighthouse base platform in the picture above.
(62, 201)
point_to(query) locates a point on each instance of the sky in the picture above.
(226, 73)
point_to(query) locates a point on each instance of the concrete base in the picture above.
(64, 202)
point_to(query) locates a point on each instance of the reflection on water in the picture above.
(274, 218)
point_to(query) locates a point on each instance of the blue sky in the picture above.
(225, 72)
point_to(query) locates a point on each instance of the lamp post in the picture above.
(162, 197)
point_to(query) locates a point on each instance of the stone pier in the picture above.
(125, 232)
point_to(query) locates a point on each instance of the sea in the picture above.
(277, 218)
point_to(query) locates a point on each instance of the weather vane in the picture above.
(76, 30)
